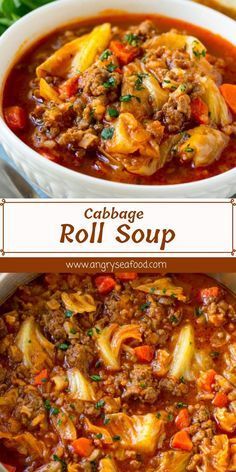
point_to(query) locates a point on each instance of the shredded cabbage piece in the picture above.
(141, 433)
(78, 303)
(80, 387)
(215, 454)
(38, 352)
(183, 354)
(48, 92)
(174, 461)
(110, 341)
(163, 287)
(64, 426)
(107, 465)
(219, 111)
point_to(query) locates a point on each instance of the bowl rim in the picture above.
(7, 134)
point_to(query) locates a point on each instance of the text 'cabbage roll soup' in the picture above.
(118, 373)
(137, 100)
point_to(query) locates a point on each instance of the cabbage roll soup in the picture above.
(134, 100)
(115, 373)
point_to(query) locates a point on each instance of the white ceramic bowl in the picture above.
(59, 182)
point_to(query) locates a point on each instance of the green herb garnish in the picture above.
(63, 346)
(68, 313)
(181, 405)
(100, 404)
(105, 55)
(98, 436)
(110, 83)
(113, 112)
(111, 67)
(128, 97)
(145, 306)
(132, 39)
(47, 405)
(107, 133)
(139, 81)
(96, 378)
(116, 438)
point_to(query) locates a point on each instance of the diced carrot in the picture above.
(15, 117)
(182, 420)
(144, 353)
(70, 87)
(182, 440)
(211, 292)
(229, 93)
(83, 446)
(206, 380)
(105, 283)
(220, 400)
(126, 275)
(123, 53)
(199, 111)
(8, 467)
(41, 377)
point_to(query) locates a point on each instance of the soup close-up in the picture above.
(134, 99)
(115, 373)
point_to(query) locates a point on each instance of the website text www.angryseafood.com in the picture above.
(109, 266)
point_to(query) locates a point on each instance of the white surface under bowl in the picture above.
(59, 182)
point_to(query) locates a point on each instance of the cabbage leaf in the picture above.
(173, 461)
(163, 287)
(37, 351)
(110, 341)
(79, 303)
(79, 386)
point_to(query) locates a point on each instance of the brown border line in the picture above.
(231, 252)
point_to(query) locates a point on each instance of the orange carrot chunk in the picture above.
(123, 53)
(70, 87)
(229, 93)
(41, 378)
(126, 275)
(207, 379)
(199, 111)
(15, 117)
(105, 284)
(220, 400)
(8, 467)
(211, 292)
(181, 440)
(83, 446)
(144, 353)
(182, 420)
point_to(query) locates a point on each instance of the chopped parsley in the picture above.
(106, 421)
(98, 436)
(182, 379)
(111, 67)
(215, 354)
(158, 415)
(181, 405)
(90, 332)
(183, 87)
(132, 39)
(145, 306)
(170, 417)
(116, 438)
(47, 405)
(100, 404)
(54, 411)
(110, 83)
(105, 55)
(188, 149)
(139, 81)
(107, 133)
(128, 97)
(198, 311)
(59, 422)
(63, 463)
(73, 331)
(63, 346)
(199, 54)
(113, 112)
(68, 313)
(174, 319)
(96, 378)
